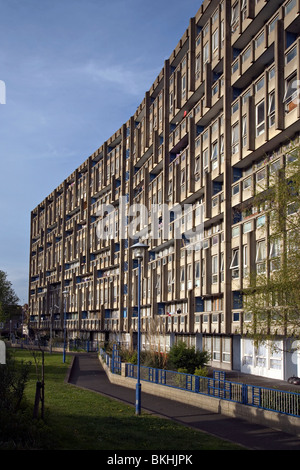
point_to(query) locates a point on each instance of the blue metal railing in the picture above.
(260, 397)
(115, 361)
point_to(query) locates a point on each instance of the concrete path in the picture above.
(89, 374)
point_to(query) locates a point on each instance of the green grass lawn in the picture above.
(76, 419)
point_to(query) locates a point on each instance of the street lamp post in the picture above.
(51, 317)
(138, 253)
(65, 325)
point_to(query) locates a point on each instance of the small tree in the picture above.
(13, 379)
(189, 359)
(8, 297)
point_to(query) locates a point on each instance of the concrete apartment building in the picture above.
(217, 120)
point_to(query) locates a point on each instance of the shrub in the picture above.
(201, 371)
(180, 356)
(13, 378)
(18, 430)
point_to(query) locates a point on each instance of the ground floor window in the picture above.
(216, 348)
(265, 358)
(219, 348)
(226, 349)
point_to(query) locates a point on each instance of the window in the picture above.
(235, 67)
(245, 260)
(271, 73)
(247, 183)
(246, 54)
(271, 112)
(214, 269)
(235, 139)
(261, 356)
(160, 114)
(290, 94)
(292, 54)
(260, 118)
(289, 6)
(215, 126)
(259, 85)
(261, 256)
(244, 9)
(222, 34)
(235, 189)
(189, 276)
(197, 169)
(275, 166)
(183, 85)
(182, 179)
(222, 148)
(272, 24)
(244, 130)
(261, 220)
(171, 99)
(235, 263)
(205, 53)
(216, 348)
(247, 227)
(275, 356)
(198, 66)
(246, 96)
(182, 276)
(259, 40)
(215, 16)
(214, 151)
(215, 40)
(274, 254)
(215, 89)
(235, 231)
(235, 107)
(222, 267)
(235, 17)
(158, 283)
(205, 159)
(226, 349)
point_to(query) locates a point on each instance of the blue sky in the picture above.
(74, 72)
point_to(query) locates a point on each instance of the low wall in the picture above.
(271, 419)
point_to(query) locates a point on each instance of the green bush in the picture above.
(201, 371)
(13, 378)
(18, 429)
(128, 356)
(180, 380)
(182, 357)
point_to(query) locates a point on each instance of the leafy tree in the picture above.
(272, 297)
(189, 359)
(8, 297)
(13, 378)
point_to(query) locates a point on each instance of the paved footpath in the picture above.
(88, 373)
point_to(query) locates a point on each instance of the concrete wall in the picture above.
(289, 424)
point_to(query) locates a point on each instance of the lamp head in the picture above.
(139, 250)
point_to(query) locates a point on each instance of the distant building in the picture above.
(217, 120)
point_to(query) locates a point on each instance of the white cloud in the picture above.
(131, 79)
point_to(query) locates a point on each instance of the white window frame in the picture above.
(271, 110)
(260, 118)
(290, 95)
(214, 269)
(235, 138)
(235, 263)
